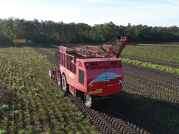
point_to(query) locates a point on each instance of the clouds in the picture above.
(151, 13)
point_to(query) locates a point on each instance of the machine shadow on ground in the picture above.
(162, 115)
(138, 111)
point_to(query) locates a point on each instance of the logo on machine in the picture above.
(104, 77)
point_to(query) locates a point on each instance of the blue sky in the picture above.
(163, 13)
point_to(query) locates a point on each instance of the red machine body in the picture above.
(96, 76)
(92, 70)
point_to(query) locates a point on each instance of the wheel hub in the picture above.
(63, 81)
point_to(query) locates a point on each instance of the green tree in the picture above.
(8, 29)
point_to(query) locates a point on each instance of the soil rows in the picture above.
(163, 63)
(149, 102)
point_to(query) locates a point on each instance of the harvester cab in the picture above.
(94, 72)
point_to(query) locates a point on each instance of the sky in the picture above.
(162, 13)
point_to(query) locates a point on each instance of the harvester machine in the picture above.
(90, 72)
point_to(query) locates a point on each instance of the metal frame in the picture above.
(108, 74)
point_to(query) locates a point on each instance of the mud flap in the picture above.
(72, 90)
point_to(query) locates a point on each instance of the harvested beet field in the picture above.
(166, 54)
(158, 62)
(149, 102)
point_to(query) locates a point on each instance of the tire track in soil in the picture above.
(127, 122)
(103, 122)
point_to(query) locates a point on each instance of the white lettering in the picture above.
(71, 75)
(61, 68)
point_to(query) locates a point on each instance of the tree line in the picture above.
(45, 32)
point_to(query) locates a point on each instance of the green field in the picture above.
(30, 101)
(150, 65)
(168, 54)
(158, 45)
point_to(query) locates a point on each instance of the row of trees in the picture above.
(52, 32)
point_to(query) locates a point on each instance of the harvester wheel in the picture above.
(91, 102)
(59, 79)
(65, 86)
(50, 73)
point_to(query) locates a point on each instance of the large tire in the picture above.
(50, 73)
(65, 85)
(59, 79)
(91, 102)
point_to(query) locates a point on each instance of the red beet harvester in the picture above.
(89, 71)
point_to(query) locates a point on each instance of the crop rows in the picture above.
(152, 61)
(167, 54)
(36, 104)
(148, 103)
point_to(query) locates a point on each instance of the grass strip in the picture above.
(160, 45)
(55, 46)
(150, 65)
(168, 54)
